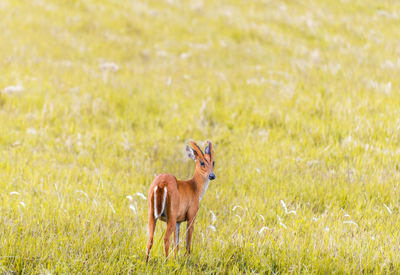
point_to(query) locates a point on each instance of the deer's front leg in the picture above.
(190, 225)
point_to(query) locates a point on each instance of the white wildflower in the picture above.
(169, 81)
(236, 206)
(127, 146)
(351, 222)
(17, 143)
(240, 219)
(312, 163)
(212, 227)
(13, 89)
(109, 66)
(112, 208)
(281, 223)
(31, 131)
(129, 197)
(255, 81)
(388, 209)
(140, 195)
(388, 64)
(263, 228)
(334, 68)
(383, 87)
(162, 53)
(185, 55)
(213, 217)
(387, 14)
(82, 192)
(285, 208)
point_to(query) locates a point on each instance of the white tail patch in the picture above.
(164, 199)
(155, 203)
(157, 215)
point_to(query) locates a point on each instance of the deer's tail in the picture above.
(160, 199)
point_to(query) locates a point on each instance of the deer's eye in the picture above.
(202, 163)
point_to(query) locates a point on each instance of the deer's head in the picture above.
(204, 161)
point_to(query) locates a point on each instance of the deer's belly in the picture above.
(179, 218)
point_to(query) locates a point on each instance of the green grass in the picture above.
(300, 98)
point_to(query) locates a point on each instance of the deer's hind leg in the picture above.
(176, 234)
(152, 227)
(171, 226)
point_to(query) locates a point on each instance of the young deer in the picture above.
(174, 201)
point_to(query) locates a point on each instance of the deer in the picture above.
(175, 201)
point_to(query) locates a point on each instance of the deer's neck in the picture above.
(201, 184)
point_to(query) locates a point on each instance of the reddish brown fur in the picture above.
(182, 202)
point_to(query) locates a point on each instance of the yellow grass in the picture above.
(300, 98)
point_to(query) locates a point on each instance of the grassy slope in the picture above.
(301, 99)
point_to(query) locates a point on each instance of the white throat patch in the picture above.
(204, 189)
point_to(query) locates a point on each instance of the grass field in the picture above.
(300, 98)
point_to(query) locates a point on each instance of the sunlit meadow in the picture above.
(300, 98)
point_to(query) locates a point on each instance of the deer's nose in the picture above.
(211, 176)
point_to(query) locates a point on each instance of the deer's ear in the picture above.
(209, 149)
(190, 152)
(196, 150)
